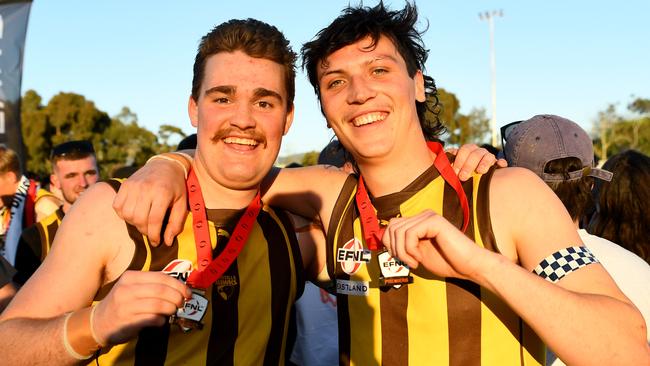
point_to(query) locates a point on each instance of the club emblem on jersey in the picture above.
(352, 255)
(179, 269)
(226, 286)
(394, 272)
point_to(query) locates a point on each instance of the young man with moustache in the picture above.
(74, 169)
(105, 292)
(466, 274)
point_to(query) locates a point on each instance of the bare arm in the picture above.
(91, 248)
(144, 199)
(584, 318)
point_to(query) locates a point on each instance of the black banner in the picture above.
(13, 26)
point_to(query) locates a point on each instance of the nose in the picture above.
(83, 181)
(359, 90)
(243, 117)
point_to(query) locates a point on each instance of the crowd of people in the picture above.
(422, 256)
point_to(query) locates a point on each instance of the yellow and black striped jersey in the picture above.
(249, 309)
(434, 320)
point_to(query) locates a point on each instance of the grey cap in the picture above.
(534, 143)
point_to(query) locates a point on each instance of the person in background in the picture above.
(623, 204)
(561, 153)
(22, 203)
(74, 169)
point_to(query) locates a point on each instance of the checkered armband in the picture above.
(563, 262)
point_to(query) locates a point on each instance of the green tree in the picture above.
(461, 129)
(165, 132)
(310, 158)
(69, 116)
(615, 133)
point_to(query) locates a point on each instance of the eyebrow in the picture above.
(224, 89)
(369, 62)
(231, 90)
(263, 92)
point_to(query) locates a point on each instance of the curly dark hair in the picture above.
(356, 23)
(622, 212)
(253, 37)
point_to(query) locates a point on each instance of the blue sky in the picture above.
(570, 58)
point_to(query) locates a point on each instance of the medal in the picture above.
(190, 315)
(394, 272)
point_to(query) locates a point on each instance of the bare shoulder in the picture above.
(528, 219)
(84, 251)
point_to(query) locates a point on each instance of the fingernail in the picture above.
(464, 175)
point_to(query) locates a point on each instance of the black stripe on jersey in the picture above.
(46, 241)
(339, 208)
(394, 326)
(483, 212)
(295, 252)
(151, 347)
(343, 311)
(280, 284)
(225, 316)
(463, 297)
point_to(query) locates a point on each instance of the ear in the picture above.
(418, 78)
(54, 180)
(193, 111)
(289, 119)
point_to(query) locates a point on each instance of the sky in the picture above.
(570, 58)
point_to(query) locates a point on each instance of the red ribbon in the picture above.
(209, 270)
(369, 222)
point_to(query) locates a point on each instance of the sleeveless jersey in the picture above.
(34, 245)
(248, 316)
(434, 320)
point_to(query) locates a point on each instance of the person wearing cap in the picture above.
(74, 169)
(561, 153)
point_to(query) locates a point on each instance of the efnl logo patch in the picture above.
(352, 255)
(179, 269)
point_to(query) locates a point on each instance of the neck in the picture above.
(217, 196)
(395, 173)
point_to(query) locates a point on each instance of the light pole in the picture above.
(489, 15)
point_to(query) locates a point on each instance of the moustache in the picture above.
(233, 131)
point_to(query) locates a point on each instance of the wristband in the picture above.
(78, 338)
(175, 157)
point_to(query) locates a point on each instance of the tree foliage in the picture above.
(310, 158)
(118, 141)
(473, 127)
(615, 133)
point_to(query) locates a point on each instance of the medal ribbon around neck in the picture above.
(209, 270)
(370, 224)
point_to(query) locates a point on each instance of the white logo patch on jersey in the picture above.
(352, 255)
(354, 288)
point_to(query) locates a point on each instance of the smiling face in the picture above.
(369, 99)
(73, 177)
(241, 114)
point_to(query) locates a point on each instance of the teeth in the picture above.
(369, 118)
(240, 141)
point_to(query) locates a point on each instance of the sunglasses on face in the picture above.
(72, 147)
(505, 132)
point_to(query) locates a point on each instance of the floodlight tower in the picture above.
(489, 16)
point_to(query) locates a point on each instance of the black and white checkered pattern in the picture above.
(563, 262)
